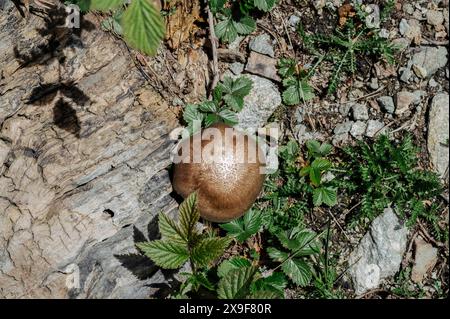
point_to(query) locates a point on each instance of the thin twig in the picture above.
(214, 44)
(337, 222)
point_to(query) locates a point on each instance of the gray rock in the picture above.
(343, 128)
(434, 17)
(386, 103)
(408, 8)
(259, 105)
(236, 68)
(293, 21)
(358, 129)
(438, 133)
(418, 95)
(344, 108)
(411, 29)
(379, 254)
(303, 134)
(261, 44)
(374, 127)
(262, 65)
(373, 84)
(424, 260)
(234, 46)
(373, 17)
(430, 59)
(360, 112)
(340, 139)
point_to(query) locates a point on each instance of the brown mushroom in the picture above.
(226, 185)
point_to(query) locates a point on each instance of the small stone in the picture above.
(418, 96)
(435, 17)
(373, 84)
(235, 45)
(411, 29)
(340, 139)
(430, 59)
(374, 127)
(379, 253)
(408, 8)
(373, 17)
(261, 44)
(403, 101)
(360, 112)
(262, 65)
(384, 34)
(236, 68)
(424, 261)
(358, 129)
(420, 71)
(386, 103)
(293, 21)
(344, 109)
(432, 83)
(343, 128)
(319, 5)
(438, 133)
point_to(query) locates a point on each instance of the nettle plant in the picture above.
(183, 242)
(235, 16)
(139, 21)
(227, 100)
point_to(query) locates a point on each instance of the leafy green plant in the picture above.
(300, 244)
(228, 98)
(323, 192)
(347, 44)
(240, 279)
(245, 226)
(386, 173)
(182, 242)
(140, 23)
(295, 82)
(235, 16)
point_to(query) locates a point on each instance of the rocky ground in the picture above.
(388, 260)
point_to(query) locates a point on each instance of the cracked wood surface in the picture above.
(83, 150)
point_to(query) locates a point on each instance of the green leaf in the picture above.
(208, 106)
(235, 91)
(216, 5)
(276, 254)
(313, 147)
(245, 226)
(143, 26)
(264, 294)
(300, 242)
(315, 176)
(226, 30)
(165, 254)
(245, 26)
(189, 216)
(325, 149)
(191, 113)
(298, 270)
(326, 195)
(297, 91)
(275, 283)
(208, 249)
(236, 284)
(264, 5)
(233, 263)
(169, 230)
(321, 164)
(286, 67)
(229, 117)
(101, 5)
(211, 119)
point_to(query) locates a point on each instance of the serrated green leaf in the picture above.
(264, 5)
(189, 215)
(143, 26)
(321, 164)
(225, 30)
(286, 67)
(208, 106)
(313, 146)
(229, 117)
(298, 270)
(236, 284)
(315, 176)
(191, 113)
(245, 26)
(296, 92)
(245, 226)
(165, 254)
(325, 149)
(264, 294)
(169, 230)
(235, 91)
(276, 254)
(233, 263)
(208, 249)
(275, 283)
(210, 119)
(216, 5)
(326, 195)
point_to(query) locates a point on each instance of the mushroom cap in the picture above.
(226, 174)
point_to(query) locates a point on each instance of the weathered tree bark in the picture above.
(83, 150)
